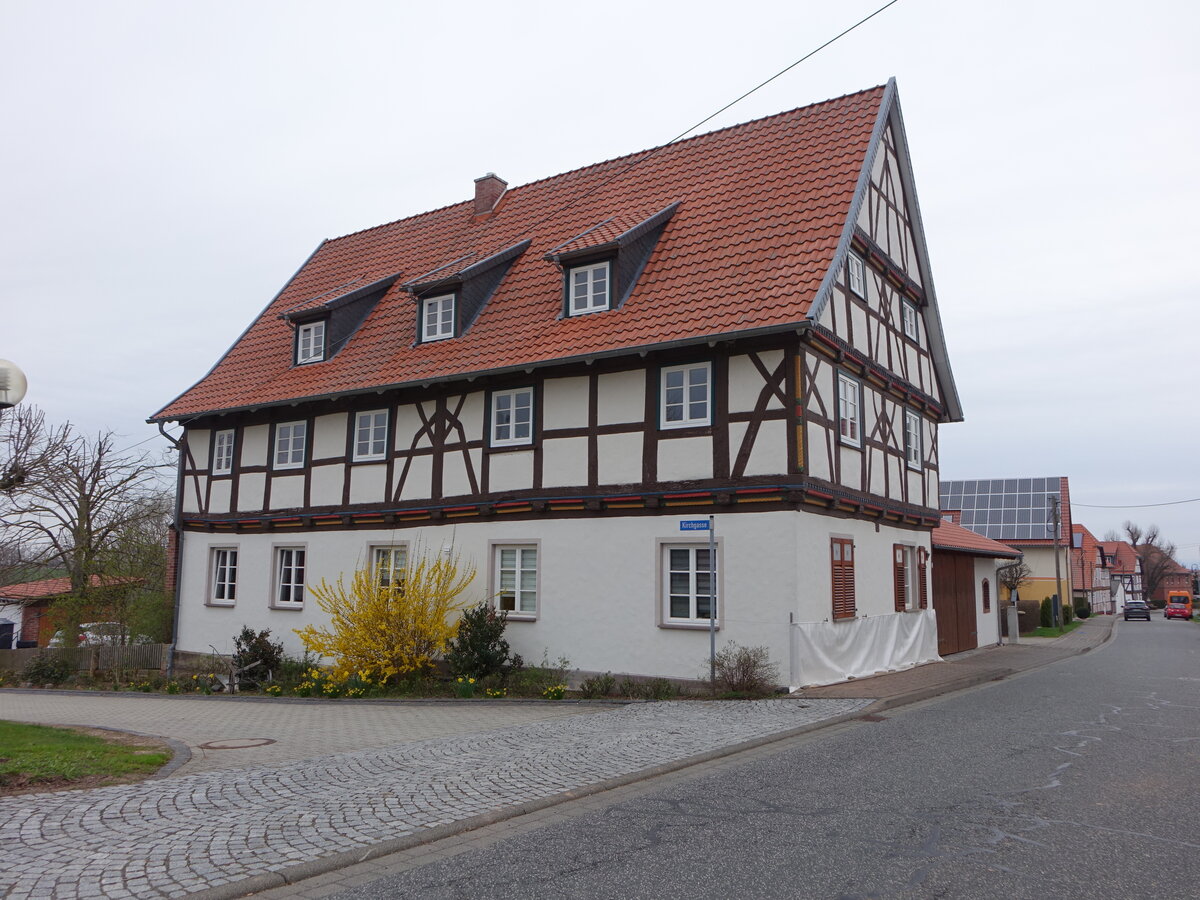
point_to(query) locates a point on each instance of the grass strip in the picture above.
(1053, 632)
(37, 754)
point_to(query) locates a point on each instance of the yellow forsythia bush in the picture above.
(381, 631)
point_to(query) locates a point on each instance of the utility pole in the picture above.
(1056, 520)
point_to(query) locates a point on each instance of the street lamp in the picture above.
(12, 384)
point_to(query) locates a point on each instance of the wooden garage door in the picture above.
(954, 602)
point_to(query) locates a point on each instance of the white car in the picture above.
(98, 634)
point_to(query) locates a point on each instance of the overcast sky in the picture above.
(167, 167)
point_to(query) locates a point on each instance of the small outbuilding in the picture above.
(964, 587)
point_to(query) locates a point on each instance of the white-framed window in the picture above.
(686, 396)
(908, 314)
(222, 452)
(437, 318)
(913, 452)
(849, 410)
(389, 564)
(516, 578)
(224, 566)
(289, 576)
(589, 288)
(512, 417)
(370, 435)
(290, 439)
(310, 343)
(687, 584)
(856, 275)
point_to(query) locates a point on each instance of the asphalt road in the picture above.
(1077, 780)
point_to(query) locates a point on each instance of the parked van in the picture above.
(1179, 605)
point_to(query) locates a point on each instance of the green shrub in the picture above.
(1082, 609)
(597, 686)
(745, 670)
(1047, 615)
(256, 649)
(47, 668)
(478, 649)
(1066, 613)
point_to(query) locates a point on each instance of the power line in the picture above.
(1136, 505)
(640, 158)
(784, 71)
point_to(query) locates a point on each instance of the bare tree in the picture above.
(1014, 576)
(67, 497)
(1155, 554)
(29, 454)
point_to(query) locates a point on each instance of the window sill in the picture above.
(689, 429)
(289, 607)
(521, 617)
(220, 604)
(524, 445)
(688, 626)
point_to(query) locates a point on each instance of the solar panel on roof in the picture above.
(1004, 508)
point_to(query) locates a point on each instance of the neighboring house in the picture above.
(24, 606)
(1090, 573)
(553, 378)
(1125, 571)
(966, 599)
(1018, 512)
(1173, 577)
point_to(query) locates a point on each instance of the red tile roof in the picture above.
(763, 207)
(1126, 561)
(53, 587)
(948, 536)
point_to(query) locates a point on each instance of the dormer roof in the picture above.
(757, 215)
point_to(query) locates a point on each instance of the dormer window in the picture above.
(589, 288)
(310, 342)
(437, 317)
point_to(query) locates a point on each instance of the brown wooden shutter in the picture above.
(900, 577)
(841, 552)
(923, 576)
(987, 596)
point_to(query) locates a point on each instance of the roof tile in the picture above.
(762, 208)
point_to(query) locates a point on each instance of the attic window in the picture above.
(310, 342)
(855, 275)
(909, 310)
(589, 288)
(437, 317)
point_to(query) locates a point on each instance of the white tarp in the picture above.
(828, 652)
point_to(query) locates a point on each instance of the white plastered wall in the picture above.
(987, 624)
(600, 600)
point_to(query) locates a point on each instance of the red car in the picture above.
(1179, 605)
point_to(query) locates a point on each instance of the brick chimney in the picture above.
(488, 191)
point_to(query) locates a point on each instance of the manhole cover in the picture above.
(237, 744)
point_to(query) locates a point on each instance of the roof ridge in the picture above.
(614, 159)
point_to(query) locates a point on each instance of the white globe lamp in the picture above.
(12, 384)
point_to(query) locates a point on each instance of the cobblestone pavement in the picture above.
(175, 836)
(297, 729)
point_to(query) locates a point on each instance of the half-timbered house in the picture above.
(552, 377)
